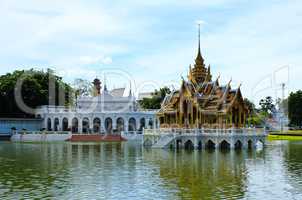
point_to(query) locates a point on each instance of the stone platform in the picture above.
(40, 136)
(204, 138)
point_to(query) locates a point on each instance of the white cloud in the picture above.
(150, 39)
(94, 60)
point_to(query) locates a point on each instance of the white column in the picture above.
(60, 124)
(80, 127)
(113, 123)
(45, 122)
(104, 125)
(126, 124)
(101, 124)
(138, 123)
(69, 122)
(91, 124)
(52, 124)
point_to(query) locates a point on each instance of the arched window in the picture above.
(65, 124)
(142, 124)
(210, 144)
(120, 124)
(151, 123)
(85, 125)
(224, 145)
(132, 124)
(108, 125)
(75, 125)
(189, 145)
(96, 125)
(56, 124)
(238, 144)
(49, 124)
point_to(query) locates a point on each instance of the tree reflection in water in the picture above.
(204, 174)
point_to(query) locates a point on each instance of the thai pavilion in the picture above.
(203, 102)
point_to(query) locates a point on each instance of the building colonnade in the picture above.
(108, 124)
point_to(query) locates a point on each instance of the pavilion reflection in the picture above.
(204, 174)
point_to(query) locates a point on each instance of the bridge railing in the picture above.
(205, 132)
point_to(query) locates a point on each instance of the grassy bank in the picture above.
(286, 135)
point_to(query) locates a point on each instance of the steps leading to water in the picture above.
(164, 141)
(96, 138)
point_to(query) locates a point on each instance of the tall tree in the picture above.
(283, 105)
(267, 105)
(155, 101)
(82, 87)
(35, 91)
(295, 108)
(251, 106)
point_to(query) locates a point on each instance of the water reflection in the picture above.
(293, 163)
(127, 171)
(197, 174)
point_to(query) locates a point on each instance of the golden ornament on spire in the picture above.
(199, 72)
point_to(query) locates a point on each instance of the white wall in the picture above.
(40, 137)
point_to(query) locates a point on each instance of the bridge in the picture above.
(204, 138)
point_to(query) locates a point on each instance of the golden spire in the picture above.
(199, 60)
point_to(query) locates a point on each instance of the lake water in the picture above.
(128, 171)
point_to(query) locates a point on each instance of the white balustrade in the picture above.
(205, 132)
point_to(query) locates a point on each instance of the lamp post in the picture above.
(282, 109)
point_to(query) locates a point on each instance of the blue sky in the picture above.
(256, 43)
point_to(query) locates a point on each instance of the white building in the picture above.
(107, 112)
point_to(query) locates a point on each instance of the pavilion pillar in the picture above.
(180, 118)
(231, 118)
(240, 117)
(196, 120)
(192, 114)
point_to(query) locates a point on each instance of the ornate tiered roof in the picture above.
(210, 96)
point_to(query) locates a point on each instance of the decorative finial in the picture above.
(218, 77)
(229, 83)
(199, 37)
(199, 60)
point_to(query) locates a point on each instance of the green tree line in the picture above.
(35, 91)
(155, 101)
